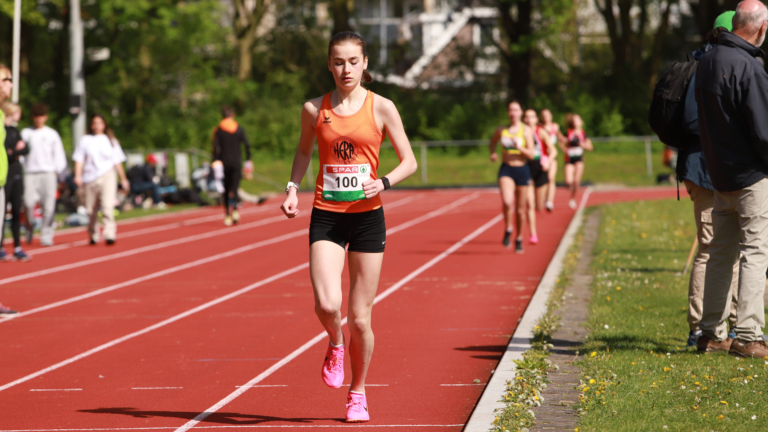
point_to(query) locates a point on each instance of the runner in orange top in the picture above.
(350, 124)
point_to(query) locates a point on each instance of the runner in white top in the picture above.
(97, 156)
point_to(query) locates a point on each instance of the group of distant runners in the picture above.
(529, 166)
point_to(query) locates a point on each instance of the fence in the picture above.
(627, 160)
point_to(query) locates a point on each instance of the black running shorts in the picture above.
(539, 176)
(363, 232)
(520, 174)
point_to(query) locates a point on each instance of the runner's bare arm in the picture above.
(78, 173)
(551, 150)
(587, 144)
(303, 155)
(528, 150)
(390, 123)
(492, 146)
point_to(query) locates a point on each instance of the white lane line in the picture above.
(185, 314)
(262, 376)
(173, 319)
(236, 427)
(46, 390)
(155, 388)
(275, 385)
(143, 231)
(367, 385)
(175, 269)
(157, 274)
(142, 249)
(462, 385)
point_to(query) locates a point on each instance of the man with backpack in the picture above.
(692, 170)
(732, 100)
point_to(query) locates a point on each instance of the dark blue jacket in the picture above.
(690, 159)
(732, 101)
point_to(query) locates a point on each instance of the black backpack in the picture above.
(668, 105)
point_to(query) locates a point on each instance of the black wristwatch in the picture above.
(386, 183)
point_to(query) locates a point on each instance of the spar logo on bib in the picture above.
(344, 150)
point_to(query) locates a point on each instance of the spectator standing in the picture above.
(97, 156)
(228, 137)
(692, 170)
(732, 106)
(143, 180)
(14, 147)
(44, 167)
(6, 86)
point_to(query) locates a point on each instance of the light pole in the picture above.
(77, 75)
(16, 49)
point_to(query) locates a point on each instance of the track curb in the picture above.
(484, 412)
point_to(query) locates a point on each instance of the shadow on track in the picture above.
(217, 417)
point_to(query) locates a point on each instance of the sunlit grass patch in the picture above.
(644, 376)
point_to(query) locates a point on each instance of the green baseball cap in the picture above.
(725, 20)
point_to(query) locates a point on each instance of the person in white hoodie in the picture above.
(44, 166)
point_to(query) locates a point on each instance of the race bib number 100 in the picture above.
(345, 182)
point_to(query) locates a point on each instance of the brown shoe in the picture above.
(756, 349)
(706, 344)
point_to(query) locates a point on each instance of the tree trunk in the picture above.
(517, 29)
(341, 12)
(246, 24)
(245, 54)
(705, 12)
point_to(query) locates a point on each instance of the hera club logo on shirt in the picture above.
(344, 150)
(327, 120)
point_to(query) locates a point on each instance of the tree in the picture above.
(526, 22)
(247, 22)
(705, 12)
(629, 36)
(342, 11)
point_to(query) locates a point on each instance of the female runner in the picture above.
(349, 124)
(577, 142)
(555, 136)
(543, 149)
(514, 173)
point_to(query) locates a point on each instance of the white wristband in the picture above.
(290, 185)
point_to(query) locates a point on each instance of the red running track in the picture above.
(155, 354)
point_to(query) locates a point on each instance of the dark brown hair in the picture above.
(353, 38)
(38, 110)
(569, 120)
(227, 111)
(107, 130)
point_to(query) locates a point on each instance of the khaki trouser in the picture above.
(703, 202)
(101, 191)
(740, 222)
(41, 187)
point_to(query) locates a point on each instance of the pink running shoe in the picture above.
(533, 240)
(333, 366)
(357, 408)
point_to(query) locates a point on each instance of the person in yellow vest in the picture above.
(6, 86)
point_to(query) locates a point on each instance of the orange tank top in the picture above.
(348, 147)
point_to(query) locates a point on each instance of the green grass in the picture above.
(637, 373)
(610, 163)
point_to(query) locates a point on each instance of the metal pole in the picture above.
(424, 163)
(383, 32)
(648, 159)
(16, 49)
(77, 76)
